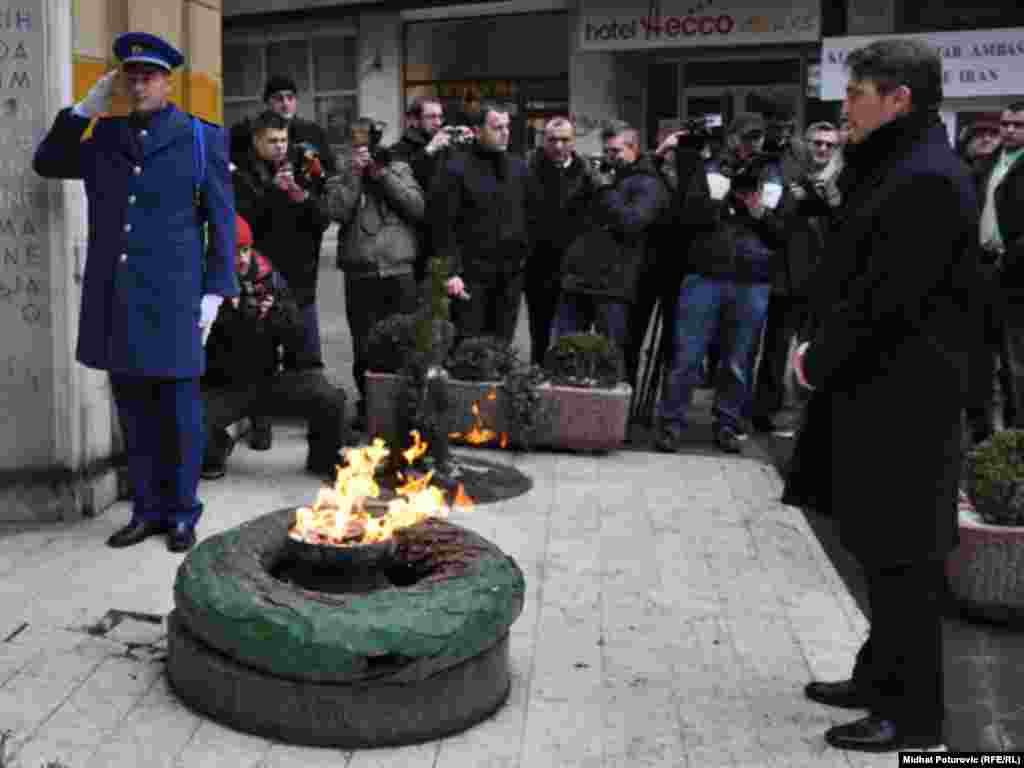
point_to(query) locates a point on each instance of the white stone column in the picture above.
(57, 441)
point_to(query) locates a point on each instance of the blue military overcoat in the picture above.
(146, 271)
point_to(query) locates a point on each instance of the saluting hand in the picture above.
(99, 97)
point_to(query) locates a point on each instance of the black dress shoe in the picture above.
(876, 734)
(134, 532)
(843, 693)
(181, 538)
(727, 440)
(261, 437)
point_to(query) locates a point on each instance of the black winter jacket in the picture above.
(1009, 200)
(477, 212)
(243, 347)
(286, 232)
(558, 201)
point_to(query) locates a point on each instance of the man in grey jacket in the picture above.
(378, 204)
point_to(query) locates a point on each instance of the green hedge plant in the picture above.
(995, 478)
(584, 360)
(482, 358)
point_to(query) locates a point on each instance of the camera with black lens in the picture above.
(459, 135)
(380, 154)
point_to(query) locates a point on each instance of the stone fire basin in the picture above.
(422, 658)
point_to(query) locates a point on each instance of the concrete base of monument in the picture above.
(56, 495)
(346, 716)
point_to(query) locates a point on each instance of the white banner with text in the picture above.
(979, 62)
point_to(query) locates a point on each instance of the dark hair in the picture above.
(892, 63)
(268, 121)
(1017, 106)
(479, 119)
(278, 83)
(416, 108)
(614, 128)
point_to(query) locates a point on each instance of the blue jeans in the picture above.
(707, 307)
(576, 312)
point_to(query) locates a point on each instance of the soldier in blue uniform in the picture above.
(150, 291)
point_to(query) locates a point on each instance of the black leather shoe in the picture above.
(181, 538)
(875, 734)
(261, 437)
(669, 440)
(842, 693)
(213, 471)
(727, 440)
(134, 532)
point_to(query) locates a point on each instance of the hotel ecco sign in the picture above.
(620, 24)
(979, 62)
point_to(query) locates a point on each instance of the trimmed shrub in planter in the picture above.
(986, 572)
(586, 396)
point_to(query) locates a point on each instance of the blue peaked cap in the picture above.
(144, 48)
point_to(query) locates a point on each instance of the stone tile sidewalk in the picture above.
(674, 611)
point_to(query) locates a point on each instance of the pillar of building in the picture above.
(379, 70)
(60, 441)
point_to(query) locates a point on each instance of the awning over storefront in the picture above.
(978, 62)
(607, 25)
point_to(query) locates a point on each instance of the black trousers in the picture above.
(657, 288)
(543, 288)
(992, 347)
(901, 662)
(492, 308)
(368, 300)
(786, 316)
(304, 394)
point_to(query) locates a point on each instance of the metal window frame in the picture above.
(288, 31)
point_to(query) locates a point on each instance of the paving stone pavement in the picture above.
(674, 611)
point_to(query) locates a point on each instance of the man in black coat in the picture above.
(477, 214)
(1000, 180)
(599, 287)
(880, 449)
(307, 147)
(561, 189)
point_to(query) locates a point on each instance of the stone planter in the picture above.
(578, 419)
(581, 419)
(986, 572)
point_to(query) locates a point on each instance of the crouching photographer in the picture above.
(243, 368)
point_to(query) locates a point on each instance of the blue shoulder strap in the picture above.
(199, 154)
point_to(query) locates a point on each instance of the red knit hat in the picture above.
(244, 232)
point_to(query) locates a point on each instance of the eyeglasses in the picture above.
(1017, 125)
(823, 143)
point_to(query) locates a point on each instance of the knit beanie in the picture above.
(244, 232)
(278, 83)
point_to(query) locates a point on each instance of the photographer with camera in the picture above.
(379, 206)
(811, 192)
(737, 238)
(604, 265)
(477, 214)
(279, 189)
(424, 145)
(243, 367)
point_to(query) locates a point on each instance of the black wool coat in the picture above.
(880, 448)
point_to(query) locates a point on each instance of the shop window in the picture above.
(290, 57)
(334, 63)
(243, 70)
(765, 72)
(322, 61)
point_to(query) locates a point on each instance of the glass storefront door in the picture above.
(728, 100)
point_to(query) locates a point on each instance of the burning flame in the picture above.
(346, 514)
(479, 434)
